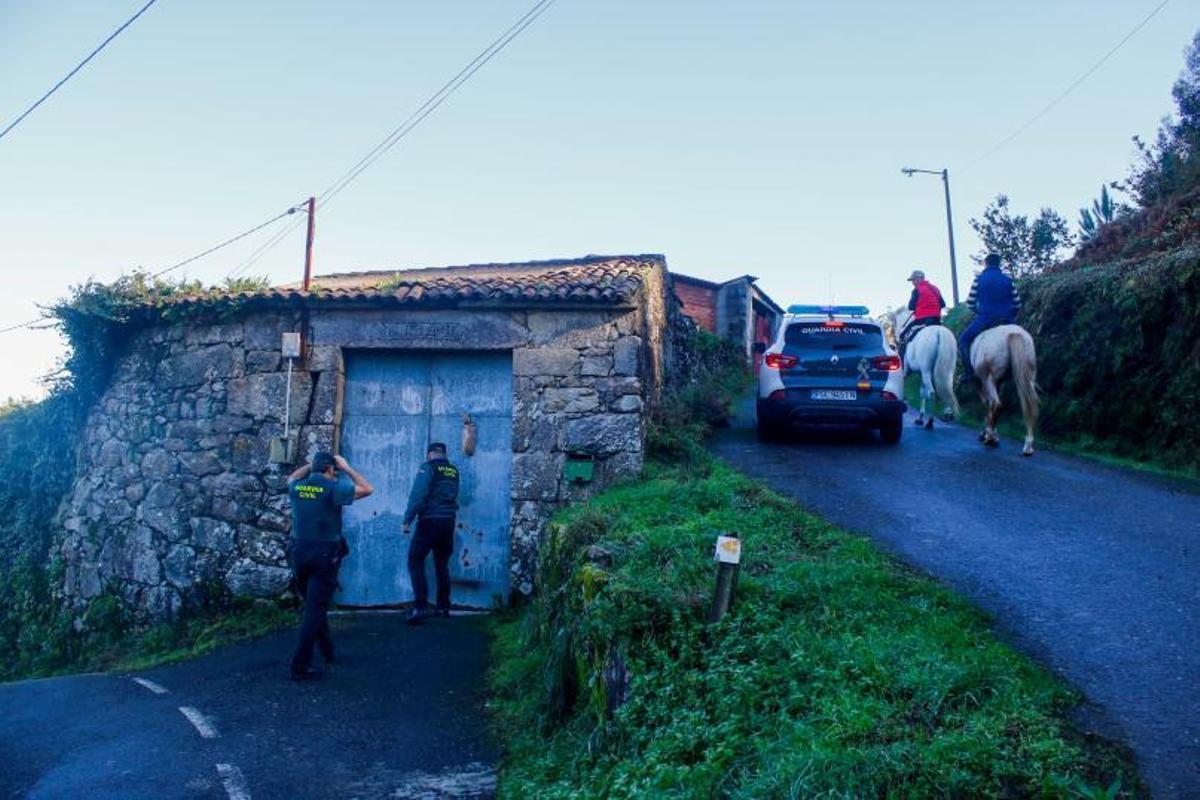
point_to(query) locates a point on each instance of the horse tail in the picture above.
(945, 361)
(1023, 362)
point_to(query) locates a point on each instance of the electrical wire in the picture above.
(78, 67)
(412, 121)
(186, 261)
(225, 243)
(1063, 95)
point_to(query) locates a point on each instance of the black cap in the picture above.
(322, 461)
(992, 260)
(436, 447)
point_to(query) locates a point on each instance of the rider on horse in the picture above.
(995, 301)
(926, 303)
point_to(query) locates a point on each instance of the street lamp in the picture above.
(945, 173)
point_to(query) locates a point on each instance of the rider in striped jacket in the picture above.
(995, 301)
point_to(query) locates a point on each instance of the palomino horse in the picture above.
(933, 353)
(996, 354)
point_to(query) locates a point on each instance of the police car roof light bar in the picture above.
(832, 311)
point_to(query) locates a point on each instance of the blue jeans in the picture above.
(967, 338)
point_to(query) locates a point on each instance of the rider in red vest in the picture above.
(926, 303)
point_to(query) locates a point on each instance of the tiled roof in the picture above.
(592, 280)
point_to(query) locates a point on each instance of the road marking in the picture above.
(151, 685)
(234, 781)
(203, 725)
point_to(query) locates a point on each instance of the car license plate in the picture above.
(833, 394)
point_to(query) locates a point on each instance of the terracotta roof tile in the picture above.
(592, 280)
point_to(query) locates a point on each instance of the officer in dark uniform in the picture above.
(317, 496)
(433, 502)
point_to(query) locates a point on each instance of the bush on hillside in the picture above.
(1118, 354)
(711, 376)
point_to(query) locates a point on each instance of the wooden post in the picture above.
(728, 555)
(308, 245)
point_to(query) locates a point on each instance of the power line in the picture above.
(29, 324)
(186, 261)
(412, 121)
(1063, 95)
(225, 243)
(437, 98)
(78, 67)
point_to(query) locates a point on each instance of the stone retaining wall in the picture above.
(175, 500)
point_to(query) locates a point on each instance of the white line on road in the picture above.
(151, 685)
(203, 725)
(234, 781)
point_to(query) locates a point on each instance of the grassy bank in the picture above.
(109, 644)
(839, 672)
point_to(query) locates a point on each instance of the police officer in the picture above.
(317, 497)
(433, 502)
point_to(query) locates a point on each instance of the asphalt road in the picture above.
(399, 715)
(1094, 570)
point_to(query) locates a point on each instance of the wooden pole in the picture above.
(727, 575)
(308, 246)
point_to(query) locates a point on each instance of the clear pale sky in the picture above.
(735, 137)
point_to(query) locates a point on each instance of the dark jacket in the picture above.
(994, 295)
(434, 492)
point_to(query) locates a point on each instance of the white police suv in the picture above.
(830, 366)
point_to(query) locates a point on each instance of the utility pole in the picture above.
(312, 219)
(945, 173)
(949, 231)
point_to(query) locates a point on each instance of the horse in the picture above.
(933, 352)
(997, 353)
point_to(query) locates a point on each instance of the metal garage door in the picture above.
(395, 403)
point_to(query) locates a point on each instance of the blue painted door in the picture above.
(394, 404)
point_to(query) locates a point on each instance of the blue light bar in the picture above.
(833, 311)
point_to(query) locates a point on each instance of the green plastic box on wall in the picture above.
(579, 467)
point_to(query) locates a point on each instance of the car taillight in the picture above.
(780, 361)
(886, 363)
(778, 394)
(888, 395)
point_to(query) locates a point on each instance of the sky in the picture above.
(757, 136)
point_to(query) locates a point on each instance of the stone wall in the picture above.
(175, 500)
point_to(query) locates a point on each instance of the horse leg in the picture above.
(927, 395)
(991, 399)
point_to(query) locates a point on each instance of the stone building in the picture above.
(736, 309)
(553, 367)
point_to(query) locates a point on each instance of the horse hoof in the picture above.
(918, 422)
(992, 442)
(1028, 451)
(929, 424)
(947, 418)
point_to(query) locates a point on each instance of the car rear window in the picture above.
(836, 335)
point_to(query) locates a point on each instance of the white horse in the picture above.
(933, 353)
(996, 354)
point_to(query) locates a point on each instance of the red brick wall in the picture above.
(699, 303)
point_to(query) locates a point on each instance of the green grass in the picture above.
(111, 646)
(1012, 426)
(839, 673)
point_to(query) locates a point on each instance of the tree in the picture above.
(1026, 247)
(1171, 164)
(1102, 212)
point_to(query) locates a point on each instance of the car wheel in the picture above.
(891, 430)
